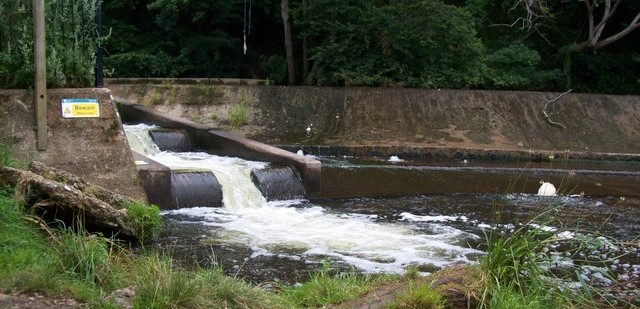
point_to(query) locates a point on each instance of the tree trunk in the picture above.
(71, 197)
(288, 43)
(54, 174)
(305, 46)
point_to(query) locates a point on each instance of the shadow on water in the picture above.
(371, 177)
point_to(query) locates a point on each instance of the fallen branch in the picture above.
(51, 173)
(46, 194)
(548, 116)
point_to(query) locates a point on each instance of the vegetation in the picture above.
(146, 219)
(239, 113)
(87, 267)
(7, 158)
(588, 46)
(485, 44)
(70, 43)
(328, 287)
(417, 296)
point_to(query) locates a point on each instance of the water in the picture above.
(381, 232)
(303, 231)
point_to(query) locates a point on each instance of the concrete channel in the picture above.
(157, 178)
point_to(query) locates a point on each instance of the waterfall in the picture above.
(233, 174)
(139, 139)
(298, 229)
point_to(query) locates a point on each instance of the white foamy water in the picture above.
(286, 229)
(140, 140)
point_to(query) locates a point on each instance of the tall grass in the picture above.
(517, 272)
(70, 43)
(27, 261)
(239, 113)
(419, 295)
(328, 287)
(145, 219)
(7, 158)
(86, 257)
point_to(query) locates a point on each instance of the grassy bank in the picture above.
(69, 262)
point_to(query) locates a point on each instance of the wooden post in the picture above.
(99, 68)
(40, 63)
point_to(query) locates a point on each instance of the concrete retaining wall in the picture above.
(416, 120)
(222, 143)
(95, 149)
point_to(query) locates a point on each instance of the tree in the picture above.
(288, 43)
(392, 43)
(598, 14)
(591, 41)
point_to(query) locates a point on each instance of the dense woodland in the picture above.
(589, 46)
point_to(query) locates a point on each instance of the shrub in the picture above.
(239, 113)
(145, 219)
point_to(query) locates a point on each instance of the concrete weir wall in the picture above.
(383, 121)
(222, 143)
(92, 148)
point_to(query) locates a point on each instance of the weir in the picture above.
(195, 189)
(193, 179)
(270, 225)
(383, 209)
(278, 183)
(171, 140)
(221, 143)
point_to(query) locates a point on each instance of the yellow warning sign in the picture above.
(80, 108)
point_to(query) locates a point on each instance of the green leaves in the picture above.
(70, 38)
(415, 44)
(518, 67)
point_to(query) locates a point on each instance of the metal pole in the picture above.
(40, 93)
(99, 70)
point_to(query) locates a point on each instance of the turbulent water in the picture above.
(300, 230)
(283, 240)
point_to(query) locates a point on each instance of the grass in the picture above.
(419, 296)
(26, 259)
(88, 267)
(329, 287)
(515, 269)
(7, 157)
(153, 98)
(83, 256)
(239, 113)
(146, 219)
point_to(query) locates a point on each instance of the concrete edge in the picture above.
(434, 152)
(184, 81)
(224, 143)
(156, 180)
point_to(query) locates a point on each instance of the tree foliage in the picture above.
(70, 43)
(548, 45)
(411, 43)
(585, 45)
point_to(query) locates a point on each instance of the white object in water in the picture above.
(395, 159)
(546, 189)
(300, 153)
(465, 161)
